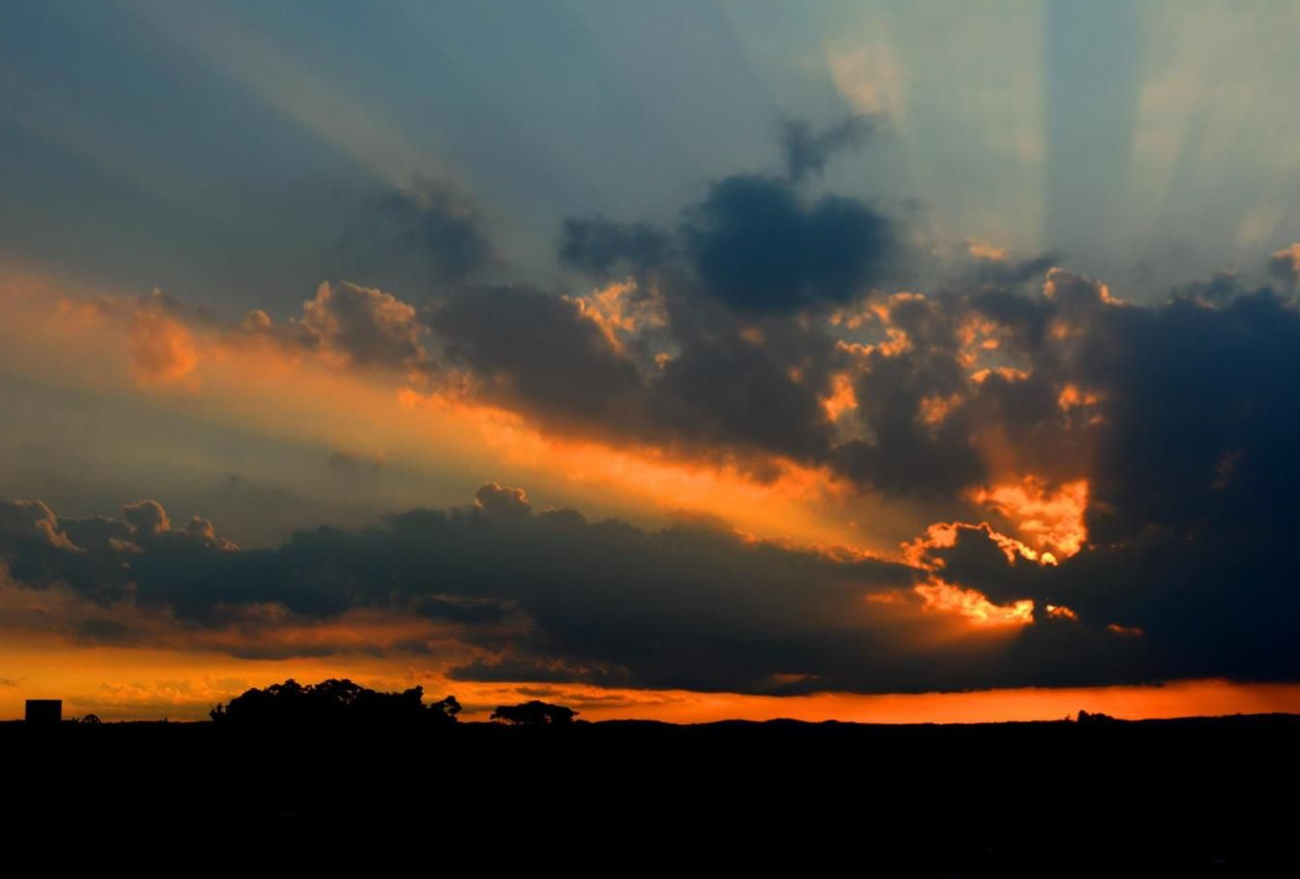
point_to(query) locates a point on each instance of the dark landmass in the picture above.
(1213, 796)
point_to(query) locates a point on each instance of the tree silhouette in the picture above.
(333, 703)
(534, 713)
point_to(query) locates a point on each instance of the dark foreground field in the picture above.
(1199, 796)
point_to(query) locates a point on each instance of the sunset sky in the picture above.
(681, 360)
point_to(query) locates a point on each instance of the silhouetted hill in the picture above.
(1011, 798)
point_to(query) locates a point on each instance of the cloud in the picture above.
(32, 521)
(1285, 264)
(163, 352)
(807, 151)
(364, 326)
(415, 240)
(598, 246)
(146, 518)
(498, 590)
(1190, 474)
(755, 243)
(497, 501)
(758, 247)
(538, 353)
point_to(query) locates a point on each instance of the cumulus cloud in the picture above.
(754, 243)
(497, 501)
(538, 353)
(32, 521)
(367, 327)
(146, 517)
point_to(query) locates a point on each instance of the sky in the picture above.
(687, 360)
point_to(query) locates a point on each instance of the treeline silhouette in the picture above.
(342, 703)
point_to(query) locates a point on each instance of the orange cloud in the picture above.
(974, 605)
(1009, 373)
(986, 251)
(1053, 520)
(1072, 397)
(1061, 612)
(620, 312)
(842, 397)
(163, 352)
(939, 595)
(1287, 262)
(934, 410)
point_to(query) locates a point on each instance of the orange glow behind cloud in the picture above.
(945, 597)
(974, 605)
(1051, 520)
(252, 381)
(783, 507)
(842, 397)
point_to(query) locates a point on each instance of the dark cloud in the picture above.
(497, 501)
(536, 352)
(913, 449)
(413, 241)
(721, 394)
(461, 610)
(755, 243)
(550, 597)
(367, 327)
(1192, 473)
(542, 671)
(146, 518)
(807, 151)
(599, 247)
(758, 247)
(727, 391)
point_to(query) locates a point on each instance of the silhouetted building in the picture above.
(44, 712)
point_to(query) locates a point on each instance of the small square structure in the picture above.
(44, 712)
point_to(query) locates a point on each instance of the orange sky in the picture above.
(122, 684)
